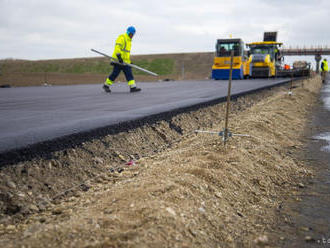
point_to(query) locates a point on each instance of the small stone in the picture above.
(240, 214)
(33, 208)
(108, 211)
(21, 195)
(11, 184)
(262, 240)
(171, 211)
(301, 185)
(230, 239)
(202, 210)
(193, 232)
(121, 157)
(42, 206)
(10, 228)
(308, 239)
(57, 211)
(132, 157)
(304, 228)
(43, 200)
(69, 212)
(98, 160)
(218, 194)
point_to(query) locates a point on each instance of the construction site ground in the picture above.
(162, 185)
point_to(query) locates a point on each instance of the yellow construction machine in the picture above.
(221, 65)
(264, 57)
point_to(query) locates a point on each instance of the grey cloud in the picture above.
(39, 29)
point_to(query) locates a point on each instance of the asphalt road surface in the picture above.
(29, 115)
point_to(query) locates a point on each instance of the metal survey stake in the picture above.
(130, 65)
(225, 133)
(225, 137)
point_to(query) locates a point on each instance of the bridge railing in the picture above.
(311, 51)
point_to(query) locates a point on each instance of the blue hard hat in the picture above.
(131, 30)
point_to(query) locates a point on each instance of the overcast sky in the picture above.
(43, 29)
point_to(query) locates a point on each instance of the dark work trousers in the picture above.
(118, 68)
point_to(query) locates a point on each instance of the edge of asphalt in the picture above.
(46, 148)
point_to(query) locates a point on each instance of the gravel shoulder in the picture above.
(181, 189)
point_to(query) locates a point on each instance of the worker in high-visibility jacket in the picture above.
(122, 54)
(324, 69)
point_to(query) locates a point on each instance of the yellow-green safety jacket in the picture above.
(123, 46)
(324, 66)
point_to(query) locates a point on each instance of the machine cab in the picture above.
(225, 46)
(265, 48)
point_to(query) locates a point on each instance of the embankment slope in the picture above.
(194, 193)
(94, 70)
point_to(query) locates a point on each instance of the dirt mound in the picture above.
(180, 189)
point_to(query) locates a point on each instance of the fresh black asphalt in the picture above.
(29, 115)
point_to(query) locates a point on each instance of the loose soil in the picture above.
(180, 189)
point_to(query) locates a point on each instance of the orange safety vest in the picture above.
(286, 67)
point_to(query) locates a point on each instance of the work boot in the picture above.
(135, 89)
(106, 88)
